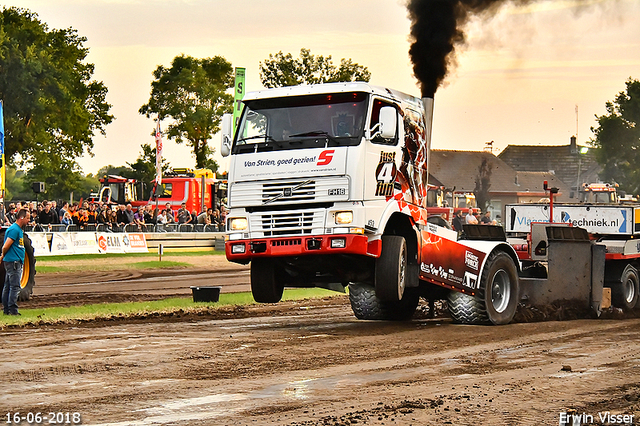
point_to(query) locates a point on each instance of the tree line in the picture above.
(53, 107)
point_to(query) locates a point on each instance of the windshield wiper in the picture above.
(267, 138)
(310, 134)
(314, 133)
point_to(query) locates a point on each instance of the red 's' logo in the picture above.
(325, 157)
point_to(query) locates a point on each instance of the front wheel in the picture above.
(391, 269)
(264, 284)
(367, 306)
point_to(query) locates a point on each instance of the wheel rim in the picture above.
(24, 279)
(629, 290)
(401, 272)
(500, 291)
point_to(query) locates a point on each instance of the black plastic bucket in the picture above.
(205, 294)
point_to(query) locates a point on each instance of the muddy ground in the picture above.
(313, 363)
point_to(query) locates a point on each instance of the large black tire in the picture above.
(466, 309)
(28, 280)
(367, 306)
(391, 269)
(624, 294)
(497, 300)
(264, 283)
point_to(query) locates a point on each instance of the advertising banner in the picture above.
(237, 98)
(84, 242)
(61, 243)
(287, 163)
(110, 242)
(135, 243)
(595, 219)
(39, 243)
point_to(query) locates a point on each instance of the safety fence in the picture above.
(101, 227)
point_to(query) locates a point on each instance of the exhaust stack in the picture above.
(427, 103)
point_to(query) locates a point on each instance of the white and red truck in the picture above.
(327, 188)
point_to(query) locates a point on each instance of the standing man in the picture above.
(13, 258)
(458, 220)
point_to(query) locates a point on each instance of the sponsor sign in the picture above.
(595, 219)
(84, 242)
(61, 243)
(110, 242)
(135, 243)
(287, 163)
(39, 243)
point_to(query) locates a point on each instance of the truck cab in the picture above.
(328, 188)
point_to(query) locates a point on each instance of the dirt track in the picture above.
(308, 363)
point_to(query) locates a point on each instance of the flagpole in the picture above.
(3, 170)
(158, 161)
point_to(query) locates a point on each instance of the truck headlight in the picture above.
(343, 218)
(238, 223)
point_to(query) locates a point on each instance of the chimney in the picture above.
(573, 146)
(427, 103)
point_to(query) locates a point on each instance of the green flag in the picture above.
(237, 98)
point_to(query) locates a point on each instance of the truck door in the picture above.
(383, 157)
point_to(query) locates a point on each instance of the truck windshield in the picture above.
(297, 122)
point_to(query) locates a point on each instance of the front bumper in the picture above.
(244, 250)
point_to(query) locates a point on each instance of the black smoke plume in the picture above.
(436, 31)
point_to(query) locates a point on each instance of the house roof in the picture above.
(460, 169)
(565, 161)
(534, 182)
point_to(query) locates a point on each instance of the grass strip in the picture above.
(150, 264)
(167, 252)
(63, 315)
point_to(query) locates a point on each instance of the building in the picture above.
(458, 171)
(573, 164)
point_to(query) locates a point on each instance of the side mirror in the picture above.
(388, 122)
(227, 122)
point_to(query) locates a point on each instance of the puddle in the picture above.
(224, 404)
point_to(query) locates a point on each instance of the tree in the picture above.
(283, 70)
(52, 108)
(192, 94)
(617, 139)
(483, 184)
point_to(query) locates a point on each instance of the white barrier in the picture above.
(64, 243)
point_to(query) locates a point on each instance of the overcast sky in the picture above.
(518, 81)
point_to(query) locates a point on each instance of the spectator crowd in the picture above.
(86, 216)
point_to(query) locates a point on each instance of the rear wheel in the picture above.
(391, 269)
(625, 293)
(28, 279)
(497, 301)
(264, 284)
(366, 305)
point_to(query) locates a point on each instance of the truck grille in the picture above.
(290, 191)
(299, 222)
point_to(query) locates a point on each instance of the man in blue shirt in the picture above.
(13, 258)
